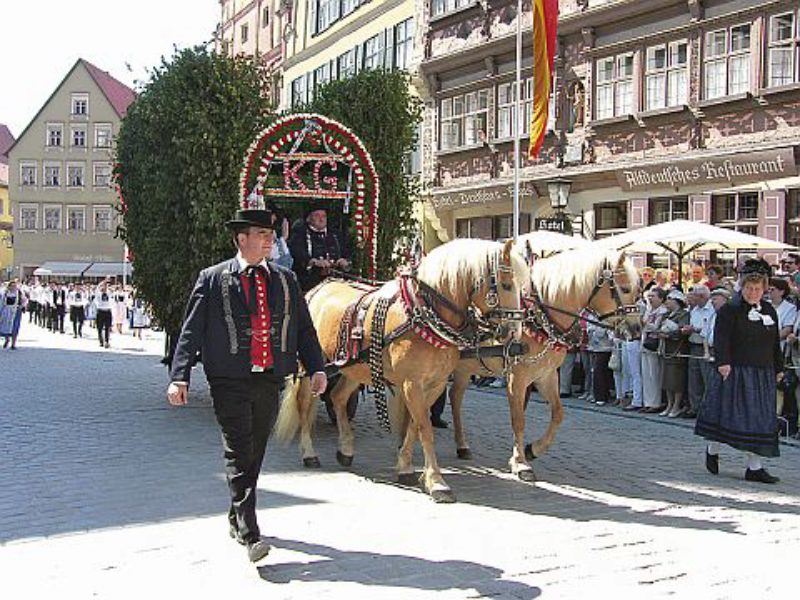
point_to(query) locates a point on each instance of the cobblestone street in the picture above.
(108, 492)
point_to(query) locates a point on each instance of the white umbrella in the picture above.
(548, 243)
(682, 237)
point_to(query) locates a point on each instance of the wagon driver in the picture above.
(316, 249)
(250, 339)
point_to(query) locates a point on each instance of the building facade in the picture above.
(60, 177)
(257, 28)
(6, 218)
(334, 39)
(662, 109)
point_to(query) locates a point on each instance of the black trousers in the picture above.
(602, 377)
(77, 316)
(103, 325)
(437, 408)
(246, 410)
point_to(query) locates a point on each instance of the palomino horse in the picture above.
(562, 286)
(458, 275)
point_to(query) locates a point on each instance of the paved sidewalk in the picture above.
(108, 492)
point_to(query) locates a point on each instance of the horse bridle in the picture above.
(570, 336)
(496, 314)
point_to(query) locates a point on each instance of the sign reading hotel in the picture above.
(453, 200)
(743, 168)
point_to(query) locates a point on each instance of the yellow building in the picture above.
(6, 218)
(333, 39)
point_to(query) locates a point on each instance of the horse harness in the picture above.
(545, 330)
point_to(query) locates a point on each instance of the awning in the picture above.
(113, 269)
(62, 269)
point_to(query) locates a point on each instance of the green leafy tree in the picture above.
(378, 107)
(179, 155)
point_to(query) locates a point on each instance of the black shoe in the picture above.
(234, 533)
(257, 550)
(712, 463)
(760, 475)
(689, 415)
(439, 423)
(565, 395)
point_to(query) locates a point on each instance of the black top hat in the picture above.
(316, 205)
(252, 217)
(755, 265)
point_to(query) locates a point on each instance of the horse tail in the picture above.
(288, 421)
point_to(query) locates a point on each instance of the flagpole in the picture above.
(517, 120)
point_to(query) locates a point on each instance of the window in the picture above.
(492, 228)
(727, 62)
(76, 218)
(327, 13)
(322, 75)
(404, 43)
(349, 6)
(27, 173)
(102, 135)
(614, 86)
(265, 17)
(298, 94)
(346, 64)
(55, 133)
(610, 217)
(102, 219)
(102, 175)
(730, 210)
(52, 218)
(463, 119)
(75, 175)
(245, 29)
(668, 209)
(52, 174)
(506, 107)
(78, 137)
(667, 75)
(28, 217)
(444, 6)
(784, 50)
(80, 105)
(375, 51)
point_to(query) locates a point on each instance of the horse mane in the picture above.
(575, 272)
(454, 267)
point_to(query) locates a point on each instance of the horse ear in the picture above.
(621, 261)
(507, 251)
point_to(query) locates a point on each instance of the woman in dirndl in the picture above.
(12, 305)
(740, 407)
(140, 319)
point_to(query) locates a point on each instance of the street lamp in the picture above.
(559, 193)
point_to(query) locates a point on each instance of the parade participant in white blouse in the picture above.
(104, 303)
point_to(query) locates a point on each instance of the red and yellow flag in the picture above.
(545, 23)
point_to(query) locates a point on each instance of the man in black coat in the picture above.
(316, 248)
(250, 321)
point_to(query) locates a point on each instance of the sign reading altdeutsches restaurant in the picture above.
(724, 170)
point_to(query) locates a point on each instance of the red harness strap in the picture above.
(425, 332)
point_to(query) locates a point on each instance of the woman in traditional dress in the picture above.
(676, 347)
(12, 305)
(119, 308)
(739, 409)
(140, 319)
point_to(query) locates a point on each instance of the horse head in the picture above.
(498, 295)
(615, 292)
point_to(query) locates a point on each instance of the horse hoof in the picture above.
(443, 496)
(526, 475)
(312, 463)
(529, 455)
(343, 459)
(464, 453)
(408, 479)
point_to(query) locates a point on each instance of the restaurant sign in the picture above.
(741, 168)
(479, 197)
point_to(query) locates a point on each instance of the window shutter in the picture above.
(700, 212)
(389, 51)
(313, 5)
(771, 220)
